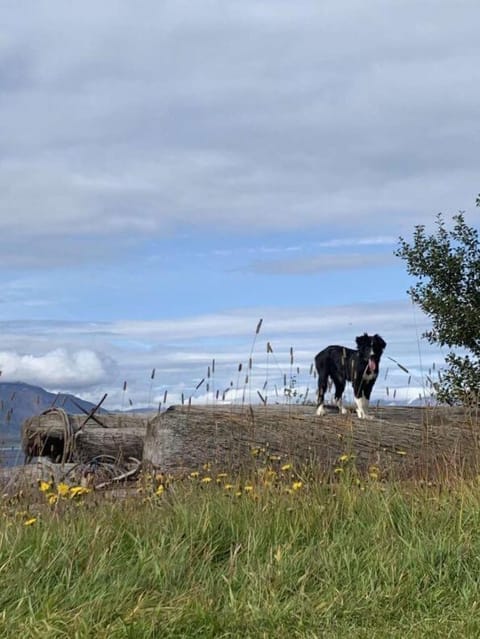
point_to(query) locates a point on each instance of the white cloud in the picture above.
(120, 120)
(57, 368)
(322, 264)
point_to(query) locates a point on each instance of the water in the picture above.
(11, 455)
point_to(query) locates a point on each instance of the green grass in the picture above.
(327, 560)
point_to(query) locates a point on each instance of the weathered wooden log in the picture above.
(64, 437)
(401, 442)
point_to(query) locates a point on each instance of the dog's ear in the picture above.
(379, 342)
(362, 339)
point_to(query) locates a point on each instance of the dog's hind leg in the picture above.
(339, 389)
(322, 387)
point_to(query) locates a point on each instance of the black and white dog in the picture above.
(344, 365)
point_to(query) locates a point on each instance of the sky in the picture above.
(173, 172)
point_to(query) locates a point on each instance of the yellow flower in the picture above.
(206, 480)
(195, 474)
(286, 466)
(228, 486)
(338, 470)
(274, 458)
(248, 488)
(206, 466)
(297, 485)
(44, 486)
(373, 472)
(78, 490)
(401, 452)
(63, 489)
(52, 498)
(160, 490)
(30, 521)
(221, 475)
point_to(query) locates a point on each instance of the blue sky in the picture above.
(172, 172)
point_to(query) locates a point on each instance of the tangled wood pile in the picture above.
(64, 438)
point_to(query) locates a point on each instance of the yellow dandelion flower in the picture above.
(79, 490)
(297, 485)
(195, 474)
(30, 521)
(52, 498)
(228, 486)
(206, 480)
(221, 475)
(338, 470)
(286, 466)
(373, 472)
(160, 490)
(248, 488)
(206, 466)
(274, 458)
(238, 493)
(44, 486)
(63, 489)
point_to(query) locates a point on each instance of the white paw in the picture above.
(362, 415)
(362, 405)
(320, 411)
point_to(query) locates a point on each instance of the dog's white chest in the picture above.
(369, 376)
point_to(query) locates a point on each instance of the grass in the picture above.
(244, 558)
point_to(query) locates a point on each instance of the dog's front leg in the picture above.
(362, 406)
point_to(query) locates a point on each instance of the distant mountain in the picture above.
(18, 401)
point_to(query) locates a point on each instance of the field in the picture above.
(286, 548)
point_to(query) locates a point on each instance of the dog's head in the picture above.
(370, 348)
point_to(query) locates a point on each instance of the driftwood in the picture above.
(403, 442)
(64, 437)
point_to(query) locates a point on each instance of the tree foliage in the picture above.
(447, 267)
